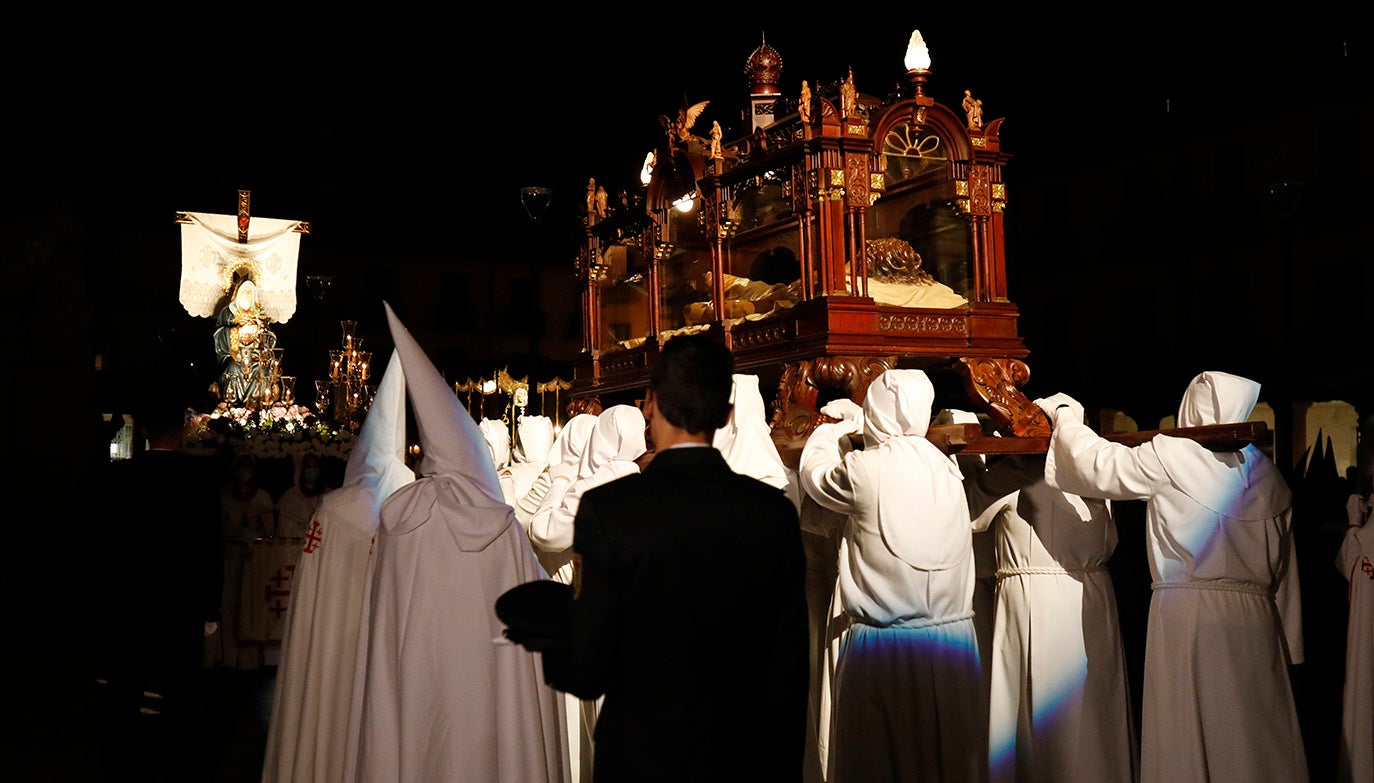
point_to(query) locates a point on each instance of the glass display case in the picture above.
(622, 294)
(684, 271)
(920, 207)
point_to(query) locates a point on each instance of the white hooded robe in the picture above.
(1224, 621)
(1060, 706)
(447, 697)
(1356, 561)
(317, 702)
(908, 700)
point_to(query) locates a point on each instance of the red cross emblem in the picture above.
(282, 581)
(313, 537)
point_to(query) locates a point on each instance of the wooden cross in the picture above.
(245, 215)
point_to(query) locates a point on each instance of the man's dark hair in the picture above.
(691, 381)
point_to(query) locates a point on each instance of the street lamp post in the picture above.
(535, 199)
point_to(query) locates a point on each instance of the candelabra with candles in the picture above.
(273, 387)
(346, 396)
(261, 384)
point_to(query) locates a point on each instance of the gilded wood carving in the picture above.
(995, 383)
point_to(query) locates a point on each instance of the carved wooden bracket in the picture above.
(795, 410)
(995, 384)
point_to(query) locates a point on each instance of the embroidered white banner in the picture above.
(211, 251)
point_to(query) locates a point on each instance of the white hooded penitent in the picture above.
(315, 711)
(448, 698)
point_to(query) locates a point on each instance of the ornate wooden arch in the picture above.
(937, 118)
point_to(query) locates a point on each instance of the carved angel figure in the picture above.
(679, 128)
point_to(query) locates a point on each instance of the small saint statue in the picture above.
(973, 110)
(849, 97)
(804, 103)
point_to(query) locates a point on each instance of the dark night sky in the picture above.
(376, 123)
(413, 135)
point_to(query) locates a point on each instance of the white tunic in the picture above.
(244, 520)
(1060, 707)
(317, 703)
(908, 693)
(1217, 703)
(295, 509)
(1356, 561)
(446, 696)
(746, 440)
(614, 442)
(314, 716)
(529, 460)
(553, 544)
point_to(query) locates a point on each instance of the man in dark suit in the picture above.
(689, 613)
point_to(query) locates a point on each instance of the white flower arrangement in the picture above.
(276, 431)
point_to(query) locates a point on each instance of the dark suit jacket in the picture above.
(691, 619)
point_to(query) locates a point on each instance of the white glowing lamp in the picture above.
(917, 55)
(646, 173)
(686, 202)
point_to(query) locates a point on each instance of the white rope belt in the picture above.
(1003, 573)
(1225, 587)
(922, 622)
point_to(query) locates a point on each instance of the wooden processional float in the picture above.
(841, 236)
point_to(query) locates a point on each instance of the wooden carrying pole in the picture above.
(969, 438)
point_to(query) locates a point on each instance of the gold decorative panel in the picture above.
(941, 325)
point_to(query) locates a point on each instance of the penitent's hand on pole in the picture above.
(1057, 403)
